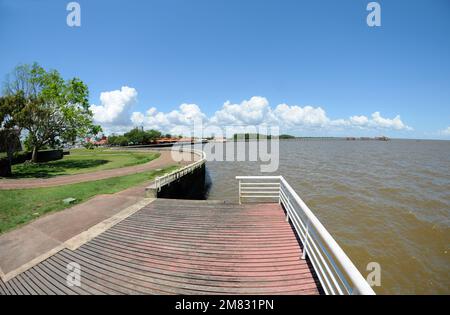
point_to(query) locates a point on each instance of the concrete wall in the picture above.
(189, 186)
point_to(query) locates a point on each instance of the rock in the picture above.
(68, 201)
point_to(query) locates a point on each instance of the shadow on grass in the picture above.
(55, 168)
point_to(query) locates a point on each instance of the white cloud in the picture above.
(375, 122)
(175, 121)
(115, 106)
(137, 118)
(446, 132)
(295, 116)
(256, 111)
(380, 122)
(359, 120)
(249, 112)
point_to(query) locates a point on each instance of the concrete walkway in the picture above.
(163, 161)
(26, 246)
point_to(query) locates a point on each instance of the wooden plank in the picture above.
(14, 289)
(39, 283)
(18, 287)
(183, 247)
(60, 278)
(211, 250)
(177, 271)
(47, 282)
(132, 280)
(2, 289)
(35, 285)
(100, 279)
(6, 289)
(224, 266)
(86, 286)
(26, 285)
(194, 255)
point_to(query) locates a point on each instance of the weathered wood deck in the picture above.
(182, 247)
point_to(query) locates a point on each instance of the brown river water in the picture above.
(385, 202)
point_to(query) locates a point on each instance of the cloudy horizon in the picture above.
(314, 68)
(117, 113)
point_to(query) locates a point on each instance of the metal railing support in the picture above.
(287, 211)
(305, 242)
(240, 192)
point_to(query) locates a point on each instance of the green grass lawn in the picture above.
(83, 161)
(20, 206)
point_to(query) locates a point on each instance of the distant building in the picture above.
(99, 141)
(220, 139)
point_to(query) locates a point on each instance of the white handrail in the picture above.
(336, 272)
(168, 178)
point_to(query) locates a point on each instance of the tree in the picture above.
(55, 111)
(153, 135)
(9, 129)
(137, 136)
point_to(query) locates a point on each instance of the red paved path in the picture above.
(164, 160)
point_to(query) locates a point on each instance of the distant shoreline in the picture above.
(294, 138)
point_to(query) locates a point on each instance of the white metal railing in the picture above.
(336, 272)
(170, 177)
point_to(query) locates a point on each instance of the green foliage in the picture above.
(139, 136)
(24, 205)
(52, 110)
(250, 136)
(89, 146)
(286, 137)
(153, 135)
(135, 136)
(117, 140)
(83, 161)
(10, 107)
(257, 136)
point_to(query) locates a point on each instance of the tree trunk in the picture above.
(34, 154)
(7, 171)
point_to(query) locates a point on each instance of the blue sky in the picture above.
(319, 58)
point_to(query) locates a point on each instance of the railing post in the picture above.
(240, 192)
(287, 210)
(279, 194)
(305, 243)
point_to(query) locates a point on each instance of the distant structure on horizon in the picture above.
(381, 138)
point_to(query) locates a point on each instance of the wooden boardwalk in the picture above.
(182, 247)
